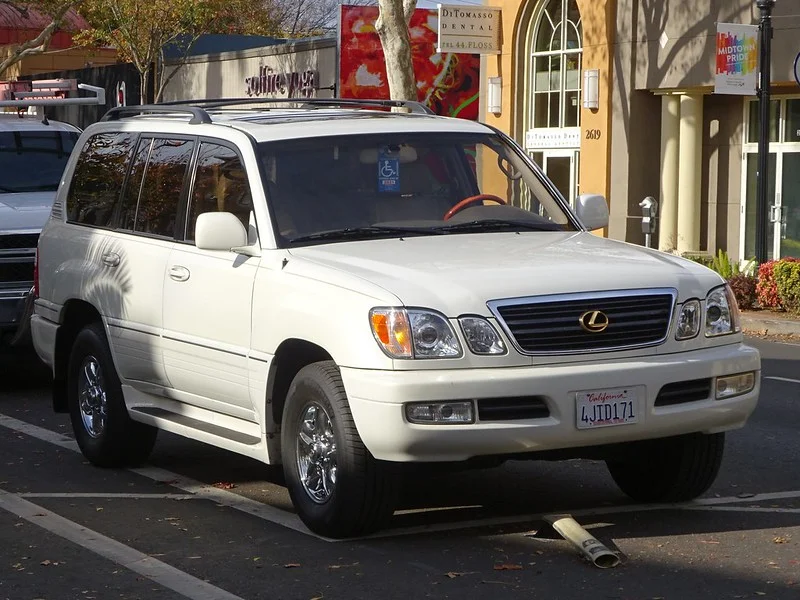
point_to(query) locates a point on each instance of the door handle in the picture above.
(178, 273)
(110, 259)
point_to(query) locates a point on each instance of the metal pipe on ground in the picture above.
(590, 548)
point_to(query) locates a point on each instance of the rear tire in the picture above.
(105, 433)
(337, 487)
(669, 470)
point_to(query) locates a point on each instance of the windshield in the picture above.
(389, 185)
(33, 161)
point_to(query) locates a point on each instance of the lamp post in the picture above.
(762, 187)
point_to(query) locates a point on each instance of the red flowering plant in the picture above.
(767, 286)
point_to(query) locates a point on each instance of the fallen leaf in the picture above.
(454, 574)
(291, 565)
(223, 485)
(355, 564)
(507, 567)
(45, 562)
(781, 539)
(99, 508)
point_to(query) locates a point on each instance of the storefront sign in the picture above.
(292, 85)
(553, 137)
(737, 59)
(470, 30)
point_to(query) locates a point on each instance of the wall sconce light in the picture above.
(494, 94)
(591, 89)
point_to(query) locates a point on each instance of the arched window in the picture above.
(555, 48)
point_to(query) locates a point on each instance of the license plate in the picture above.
(604, 408)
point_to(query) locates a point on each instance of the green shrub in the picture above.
(787, 281)
(744, 289)
(723, 265)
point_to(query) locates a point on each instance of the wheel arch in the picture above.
(291, 356)
(75, 315)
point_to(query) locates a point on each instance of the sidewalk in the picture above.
(765, 322)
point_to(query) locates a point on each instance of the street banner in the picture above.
(448, 83)
(737, 59)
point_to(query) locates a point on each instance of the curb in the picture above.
(765, 325)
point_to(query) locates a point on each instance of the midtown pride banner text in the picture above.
(737, 59)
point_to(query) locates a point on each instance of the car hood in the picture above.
(25, 211)
(459, 274)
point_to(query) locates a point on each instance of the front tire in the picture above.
(337, 487)
(105, 433)
(669, 470)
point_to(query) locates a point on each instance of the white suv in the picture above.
(341, 289)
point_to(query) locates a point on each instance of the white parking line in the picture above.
(110, 496)
(291, 521)
(197, 488)
(782, 379)
(184, 584)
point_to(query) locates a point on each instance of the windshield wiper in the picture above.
(364, 233)
(499, 225)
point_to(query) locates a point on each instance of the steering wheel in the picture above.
(461, 205)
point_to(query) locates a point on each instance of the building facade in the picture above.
(297, 69)
(18, 27)
(617, 97)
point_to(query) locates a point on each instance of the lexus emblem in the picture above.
(593, 321)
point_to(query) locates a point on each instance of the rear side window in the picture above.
(130, 197)
(161, 189)
(220, 185)
(98, 178)
(42, 152)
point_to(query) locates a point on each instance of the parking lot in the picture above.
(200, 523)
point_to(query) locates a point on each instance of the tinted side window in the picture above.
(162, 186)
(130, 197)
(98, 178)
(220, 186)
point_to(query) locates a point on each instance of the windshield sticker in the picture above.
(388, 171)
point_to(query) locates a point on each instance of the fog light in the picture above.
(734, 385)
(439, 412)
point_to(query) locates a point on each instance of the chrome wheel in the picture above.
(316, 454)
(92, 397)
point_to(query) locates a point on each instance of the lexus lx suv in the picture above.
(344, 289)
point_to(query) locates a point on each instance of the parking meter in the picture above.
(649, 208)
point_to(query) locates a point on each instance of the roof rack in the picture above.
(47, 92)
(120, 112)
(210, 103)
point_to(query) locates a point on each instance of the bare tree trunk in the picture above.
(392, 27)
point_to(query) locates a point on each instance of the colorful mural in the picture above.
(448, 83)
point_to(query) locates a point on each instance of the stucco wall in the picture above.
(224, 75)
(673, 41)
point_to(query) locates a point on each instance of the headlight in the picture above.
(414, 333)
(688, 320)
(722, 313)
(481, 337)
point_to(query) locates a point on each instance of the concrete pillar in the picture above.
(670, 135)
(689, 161)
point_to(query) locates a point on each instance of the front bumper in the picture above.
(377, 398)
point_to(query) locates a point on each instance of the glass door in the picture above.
(561, 167)
(787, 213)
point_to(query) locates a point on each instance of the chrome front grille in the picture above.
(17, 241)
(552, 324)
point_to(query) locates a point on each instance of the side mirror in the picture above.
(219, 231)
(592, 211)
